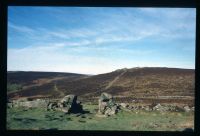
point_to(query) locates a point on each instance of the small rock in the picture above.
(124, 105)
(186, 108)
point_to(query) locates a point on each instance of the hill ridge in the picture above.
(115, 79)
(132, 83)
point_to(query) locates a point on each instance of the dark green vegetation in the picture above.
(38, 84)
(147, 85)
(39, 119)
(27, 78)
(14, 87)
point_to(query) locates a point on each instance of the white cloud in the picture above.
(19, 28)
(50, 58)
(129, 29)
(47, 51)
(54, 58)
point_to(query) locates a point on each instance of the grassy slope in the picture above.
(142, 121)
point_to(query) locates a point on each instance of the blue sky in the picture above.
(97, 40)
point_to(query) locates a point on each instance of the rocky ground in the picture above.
(70, 114)
(124, 120)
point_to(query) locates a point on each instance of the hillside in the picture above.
(27, 78)
(37, 83)
(137, 83)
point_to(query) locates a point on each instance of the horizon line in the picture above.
(94, 74)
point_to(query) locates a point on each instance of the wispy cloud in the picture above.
(51, 58)
(126, 30)
(23, 29)
(56, 58)
(100, 41)
(87, 36)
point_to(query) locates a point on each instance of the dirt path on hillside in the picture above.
(57, 90)
(40, 82)
(109, 84)
(114, 80)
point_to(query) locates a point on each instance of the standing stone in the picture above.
(70, 104)
(106, 105)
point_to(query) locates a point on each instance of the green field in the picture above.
(40, 119)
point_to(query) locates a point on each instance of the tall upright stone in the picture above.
(106, 105)
(70, 104)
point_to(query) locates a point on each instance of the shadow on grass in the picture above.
(28, 120)
(48, 129)
(188, 130)
(82, 121)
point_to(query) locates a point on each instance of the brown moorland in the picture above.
(147, 85)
